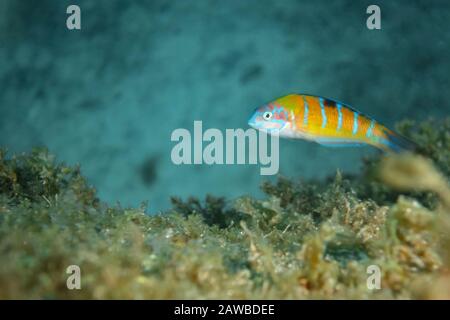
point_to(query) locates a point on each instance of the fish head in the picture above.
(272, 118)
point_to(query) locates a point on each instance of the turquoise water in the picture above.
(109, 95)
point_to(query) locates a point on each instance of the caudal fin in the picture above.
(398, 143)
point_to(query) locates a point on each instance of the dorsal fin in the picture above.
(334, 103)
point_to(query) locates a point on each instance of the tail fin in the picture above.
(398, 143)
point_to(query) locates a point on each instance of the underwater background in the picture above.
(108, 96)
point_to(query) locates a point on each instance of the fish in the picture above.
(326, 121)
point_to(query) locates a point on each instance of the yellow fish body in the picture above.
(325, 121)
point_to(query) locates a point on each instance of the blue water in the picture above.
(107, 97)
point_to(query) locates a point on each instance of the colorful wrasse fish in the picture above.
(327, 122)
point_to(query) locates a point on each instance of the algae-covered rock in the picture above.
(303, 240)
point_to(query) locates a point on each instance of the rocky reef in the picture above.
(305, 239)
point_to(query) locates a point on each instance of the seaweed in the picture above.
(305, 239)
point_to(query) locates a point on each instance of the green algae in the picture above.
(303, 240)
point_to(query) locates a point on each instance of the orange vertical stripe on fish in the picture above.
(325, 121)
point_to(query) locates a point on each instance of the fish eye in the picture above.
(267, 115)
